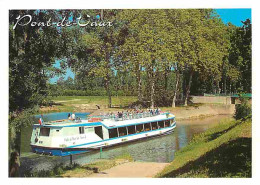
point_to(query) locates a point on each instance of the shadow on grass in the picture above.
(232, 159)
(217, 134)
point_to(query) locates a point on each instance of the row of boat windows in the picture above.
(122, 131)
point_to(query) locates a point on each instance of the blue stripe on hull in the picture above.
(56, 152)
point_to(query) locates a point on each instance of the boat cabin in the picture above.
(72, 134)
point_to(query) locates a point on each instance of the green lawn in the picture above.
(223, 151)
(100, 100)
(81, 103)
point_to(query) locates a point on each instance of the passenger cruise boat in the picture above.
(67, 137)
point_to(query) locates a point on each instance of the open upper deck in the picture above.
(111, 123)
(108, 122)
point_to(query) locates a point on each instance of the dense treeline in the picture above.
(161, 56)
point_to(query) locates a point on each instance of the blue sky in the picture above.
(69, 73)
(235, 16)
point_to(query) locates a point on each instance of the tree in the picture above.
(146, 46)
(32, 52)
(239, 58)
(96, 49)
(201, 45)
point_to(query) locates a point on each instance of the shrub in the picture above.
(17, 120)
(243, 110)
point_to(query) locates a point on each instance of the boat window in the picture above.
(147, 126)
(81, 130)
(139, 128)
(161, 124)
(154, 125)
(113, 133)
(122, 131)
(89, 129)
(44, 131)
(131, 129)
(99, 132)
(167, 123)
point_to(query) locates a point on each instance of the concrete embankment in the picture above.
(201, 111)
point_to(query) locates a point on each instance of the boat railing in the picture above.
(125, 116)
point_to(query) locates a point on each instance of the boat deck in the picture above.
(112, 123)
(109, 123)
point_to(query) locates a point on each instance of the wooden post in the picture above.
(70, 159)
(100, 152)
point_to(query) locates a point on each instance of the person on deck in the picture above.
(73, 116)
(157, 111)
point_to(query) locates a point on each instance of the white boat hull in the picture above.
(85, 147)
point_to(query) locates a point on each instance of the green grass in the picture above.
(222, 151)
(86, 103)
(101, 100)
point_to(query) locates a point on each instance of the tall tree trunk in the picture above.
(188, 89)
(17, 146)
(218, 87)
(152, 83)
(127, 83)
(213, 86)
(139, 81)
(225, 85)
(108, 79)
(176, 89)
(166, 78)
(152, 91)
(108, 92)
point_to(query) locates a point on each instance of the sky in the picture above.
(235, 16)
(69, 73)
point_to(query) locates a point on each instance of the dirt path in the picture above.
(132, 169)
(64, 101)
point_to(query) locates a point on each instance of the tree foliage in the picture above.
(159, 55)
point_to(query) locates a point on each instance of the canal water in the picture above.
(158, 149)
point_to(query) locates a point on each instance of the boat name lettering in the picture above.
(74, 138)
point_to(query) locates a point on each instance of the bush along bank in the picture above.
(222, 151)
(243, 110)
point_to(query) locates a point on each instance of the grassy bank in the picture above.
(77, 170)
(86, 103)
(222, 151)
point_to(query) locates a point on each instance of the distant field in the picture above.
(100, 100)
(86, 103)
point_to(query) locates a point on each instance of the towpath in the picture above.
(132, 169)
